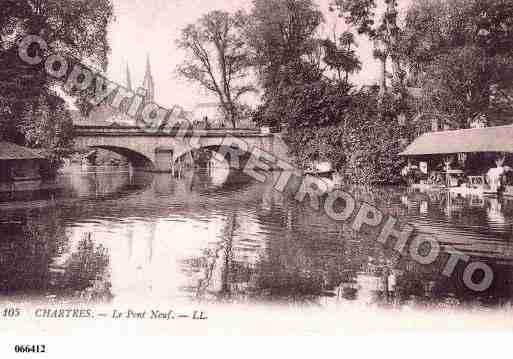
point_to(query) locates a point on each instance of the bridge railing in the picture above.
(88, 130)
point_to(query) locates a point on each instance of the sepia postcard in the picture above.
(254, 168)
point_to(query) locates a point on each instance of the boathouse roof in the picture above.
(11, 151)
(488, 139)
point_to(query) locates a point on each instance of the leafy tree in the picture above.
(325, 119)
(461, 58)
(284, 48)
(383, 31)
(327, 122)
(281, 33)
(85, 270)
(27, 94)
(218, 59)
(48, 126)
(340, 56)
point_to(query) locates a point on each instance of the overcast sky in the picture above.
(151, 26)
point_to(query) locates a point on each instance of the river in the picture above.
(110, 235)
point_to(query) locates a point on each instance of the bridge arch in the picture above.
(159, 151)
(235, 158)
(134, 157)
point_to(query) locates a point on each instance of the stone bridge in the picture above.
(159, 151)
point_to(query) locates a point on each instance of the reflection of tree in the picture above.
(301, 263)
(85, 270)
(308, 259)
(305, 255)
(219, 258)
(32, 243)
(204, 266)
(426, 285)
(228, 233)
(200, 180)
(289, 271)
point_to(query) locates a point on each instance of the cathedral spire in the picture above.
(148, 83)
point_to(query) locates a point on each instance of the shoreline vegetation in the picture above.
(448, 71)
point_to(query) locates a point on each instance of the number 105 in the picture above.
(11, 312)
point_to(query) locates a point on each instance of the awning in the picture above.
(488, 139)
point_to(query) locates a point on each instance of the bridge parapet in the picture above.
(159, 150)
(137, 131)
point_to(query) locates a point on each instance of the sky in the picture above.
(150, 27)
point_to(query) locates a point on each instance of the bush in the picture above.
(361, 143)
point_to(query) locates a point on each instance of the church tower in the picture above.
(148, 83)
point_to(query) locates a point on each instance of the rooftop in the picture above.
(488, 139)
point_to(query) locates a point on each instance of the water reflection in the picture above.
(38, 259)
(213, 235)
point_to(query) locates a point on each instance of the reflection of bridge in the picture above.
(159, 151)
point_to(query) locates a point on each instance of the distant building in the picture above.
(215, 117)
(209, 110)
(105, 115)
(148, 82)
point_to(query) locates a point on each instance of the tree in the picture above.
(28, 99)
(461, 58)
(284, 48)
(340, 57)
(327, 122)
(218, 59)
(384, 31)
(48, 126)
(281, 33)
(325, 118)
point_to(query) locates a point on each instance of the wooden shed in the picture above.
(18, 163)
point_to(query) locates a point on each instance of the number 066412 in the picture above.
(29, 348)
